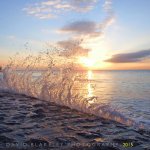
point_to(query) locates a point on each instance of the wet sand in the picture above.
(30, 123)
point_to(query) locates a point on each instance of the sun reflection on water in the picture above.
(89, 85)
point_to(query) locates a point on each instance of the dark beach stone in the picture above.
(143, 139)
(30, 97)
(38, 116)
(106, 122)
(23, 95)
(32, 125)
(1, 118)
(25, 107)
(146, 146)
(23, 99)
(39, 111)
(2, 115)
(39, 105)
(89, 126)
(18, 117)
(1, 96)
(93, 119)
(12, 99)
(80, 120)
(4, 139)
(75, 115)
(89, 135)
(25, 112)
(20, 134)
(68, 128)
(28, 132)
(55, 109)
(26, 128)
(5, 129)
(121, 126)
(12, 123)
(142, 132)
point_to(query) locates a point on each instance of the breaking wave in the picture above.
(53, 76)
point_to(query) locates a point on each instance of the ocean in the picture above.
(128, 91)
(124, 94)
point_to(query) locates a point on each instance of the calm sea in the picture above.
(128, 91)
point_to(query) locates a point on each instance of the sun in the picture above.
(87, 62)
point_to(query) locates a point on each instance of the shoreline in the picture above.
(29, 120)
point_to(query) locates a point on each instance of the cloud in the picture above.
(82, 5)
(52, 8)
(80, 27)
(129, 57)
(89, 29)
(108, 6)
(86, 29)
(72, 48)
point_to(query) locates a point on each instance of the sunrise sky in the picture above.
(112, 34)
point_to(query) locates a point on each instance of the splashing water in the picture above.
(51, 76)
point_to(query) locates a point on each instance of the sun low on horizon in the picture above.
(92, 63)
(87, 62)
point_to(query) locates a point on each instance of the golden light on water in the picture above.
(89, 86)
(90, 74)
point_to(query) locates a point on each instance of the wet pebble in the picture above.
(4, 129)
(1, 118)
(39, 111)
(89, 135)
(90, 126)
(4, 139)
(39, 105)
